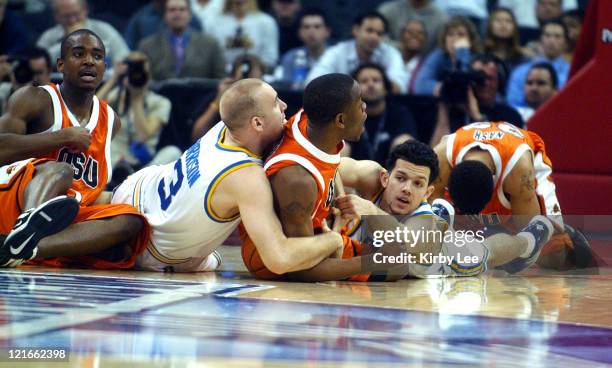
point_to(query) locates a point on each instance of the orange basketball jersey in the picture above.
(91, 167)
(296, 149)
(506, 144)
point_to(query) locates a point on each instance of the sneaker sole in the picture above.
(583, 254)
(49, 218)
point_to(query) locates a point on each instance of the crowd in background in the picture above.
(481, 59)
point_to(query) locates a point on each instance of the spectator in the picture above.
(6, 81)
(502, 39)
(468, 98)
(19, 73)
(366, 46)
(71, 15)
(388, 123)
(546, 10)
(246, 66)
(14, 35)
(143, 115)
(40, 64)
(314, 33)
(399, 12)
(341, 14)
(148, 20)
(573, 22)
(287, 16)
(412, 45)
(243, 29)
(554, 40)
(178, 51)
(32, 67)
(206, 11)
(456, 43)
(540, 86)
(475, 10)
(533, 13)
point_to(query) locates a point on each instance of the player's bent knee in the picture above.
(55, 171)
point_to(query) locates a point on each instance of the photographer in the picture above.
(245, 66)
(32, 67)
(143, 114)
(457, 42)
(467, 97)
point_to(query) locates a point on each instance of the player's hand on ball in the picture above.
(325, 228)
(339, 220)
(353, 207)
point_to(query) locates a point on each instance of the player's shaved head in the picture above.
(240, 103)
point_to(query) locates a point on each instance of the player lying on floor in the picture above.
(496, 172)
(302, 171)
(194, 203)
(403, 191)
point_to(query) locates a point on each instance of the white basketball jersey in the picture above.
(176, 198)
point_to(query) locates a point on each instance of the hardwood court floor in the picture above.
(120, 319)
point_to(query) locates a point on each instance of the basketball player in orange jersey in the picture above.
(217, 169)
(195, 203)
(496, 170)
(302, 172)
(68, 132)
(403, 190)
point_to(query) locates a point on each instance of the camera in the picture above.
(136, 74)
(454, 89)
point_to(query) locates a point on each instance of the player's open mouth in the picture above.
(88, 76)
(403, 200)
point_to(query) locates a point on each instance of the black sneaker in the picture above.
(582, 255)
(49, 218)
(541, 228)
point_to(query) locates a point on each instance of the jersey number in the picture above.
(164, 199)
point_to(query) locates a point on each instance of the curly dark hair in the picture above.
(327, 96)
(470, 186)
(417, 153)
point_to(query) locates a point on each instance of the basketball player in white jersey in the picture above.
(403, 192)
(195, 203)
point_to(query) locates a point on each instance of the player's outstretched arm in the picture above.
(520, 186)
(280, 254)
(362, 175)
(442, 181)
(28, 109)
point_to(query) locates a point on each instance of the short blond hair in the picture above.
(239, 103)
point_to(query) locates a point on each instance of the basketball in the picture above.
(252, 260)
